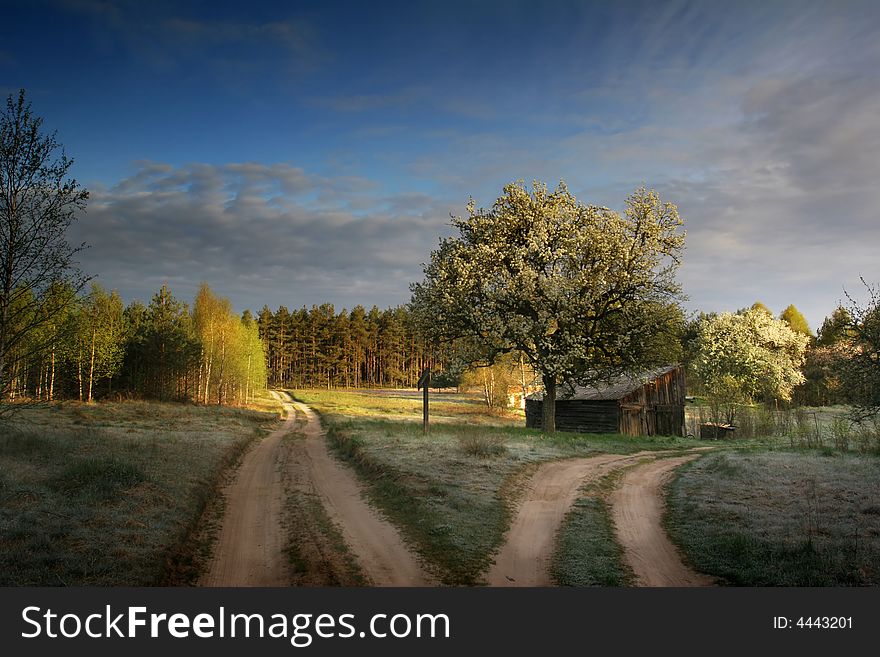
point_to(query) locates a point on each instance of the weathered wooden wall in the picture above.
(597, 416)
(656, 408)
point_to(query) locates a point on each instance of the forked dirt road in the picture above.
(525, 558)
(251, 544)
(250, 548)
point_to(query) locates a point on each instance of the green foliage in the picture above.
(495, 382)
(168, 347)
(320, 347)
(835, 328)
(232, 362)
(796, 321)
(579, 290)
(445, 379)
(826, 361)
(95, 340)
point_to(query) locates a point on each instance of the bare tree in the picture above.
(861, 368)
(38, 202)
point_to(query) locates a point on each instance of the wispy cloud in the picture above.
(369, 102)
(170, 37)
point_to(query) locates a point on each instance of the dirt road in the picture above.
(250, 548)
(637, 510)
(525, 558)
(383, 556)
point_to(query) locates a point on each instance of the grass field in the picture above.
(112, 493)
(452, 491)
(587, 552)
(780, 518)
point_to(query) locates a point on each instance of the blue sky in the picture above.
(301, 152)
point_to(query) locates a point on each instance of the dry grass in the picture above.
(450, 492)
(783, 518)
(110, 494)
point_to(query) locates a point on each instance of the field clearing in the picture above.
(780, 518)
(452, 492)
(111, 493)
(406, 406)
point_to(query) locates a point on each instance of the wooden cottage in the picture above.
(645, 405)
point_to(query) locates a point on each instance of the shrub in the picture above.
(841, 432)
(482, 445)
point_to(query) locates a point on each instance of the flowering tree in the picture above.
(747, 355)
(582, 292)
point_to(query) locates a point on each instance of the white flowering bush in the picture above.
(749, 355)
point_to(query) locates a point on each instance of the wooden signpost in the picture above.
(424, 382)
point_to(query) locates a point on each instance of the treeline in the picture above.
(319, 347)
(92, 346)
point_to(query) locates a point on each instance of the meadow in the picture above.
(452, 492)
(780, 517)
(126, 493)
(117, 493)
(793, 500)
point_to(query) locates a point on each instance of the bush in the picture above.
(841, 432)
(482, 445)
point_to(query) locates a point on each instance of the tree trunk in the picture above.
(548, 408)
(38, 392)
(92, 366)
(199, 379)
(52, 376)
(79, 371)
(247, 380)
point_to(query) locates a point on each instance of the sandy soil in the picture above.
(524, 559)
(637, 510)
(383, 556)
(249, 549)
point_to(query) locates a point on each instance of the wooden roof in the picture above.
(616, 388)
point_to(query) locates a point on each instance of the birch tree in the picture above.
(102, 335)
(582, 291)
